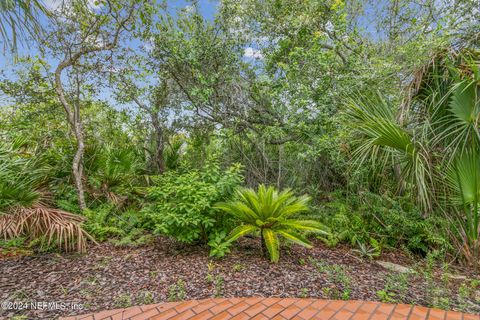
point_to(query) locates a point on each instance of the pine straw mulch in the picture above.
(110, 277)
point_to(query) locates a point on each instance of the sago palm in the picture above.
(272, 214)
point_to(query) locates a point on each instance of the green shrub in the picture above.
(389, 222)
(218, 246)
(106, 222)
(182, 203)
(113, 171)
(22, 174)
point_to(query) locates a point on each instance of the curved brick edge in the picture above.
(276, 308)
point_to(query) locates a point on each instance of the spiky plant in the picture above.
(112, 171)
(433, 140)
(22, 209)
(173, 153)
(272, 214)
(463, 180)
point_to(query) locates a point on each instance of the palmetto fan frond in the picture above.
(19, 19)
(51, 225)
(463, 179)
(271, 213)
(435, 140)
(112, 170)
(381, 140)
(22, 174)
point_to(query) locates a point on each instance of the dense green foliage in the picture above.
(434, 143)
(21, 175)
(381, 222)
(24, 210)
(182, 203)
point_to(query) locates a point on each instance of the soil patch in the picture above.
(109, 277)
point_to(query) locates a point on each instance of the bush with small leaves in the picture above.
(182, 203)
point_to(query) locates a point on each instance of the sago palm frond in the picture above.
(307, 225)
(239, 210)
(270, 213)
(294, 237)
(271, 242)
(241, 231)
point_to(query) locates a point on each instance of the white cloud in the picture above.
(149, 45)
(53, 5)
(329, 26)
(252, 53)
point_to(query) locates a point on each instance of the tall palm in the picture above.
(19, 19)
(434, 139)
(271, 213)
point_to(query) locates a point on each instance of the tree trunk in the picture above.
(77, 166)
(72, 110)
(159, 144)
(74, 119)
(264, 247)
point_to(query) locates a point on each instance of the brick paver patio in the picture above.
(276, 308)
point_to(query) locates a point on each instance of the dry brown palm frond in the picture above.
(115, 199)
(57, 226)
(465, 58)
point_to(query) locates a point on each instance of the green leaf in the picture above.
(272, 244)
(463, 177)
(309, 225)
(240, 231)
(294, 237)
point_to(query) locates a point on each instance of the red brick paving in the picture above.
(276, 308)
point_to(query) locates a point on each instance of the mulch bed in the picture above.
(111, 277)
